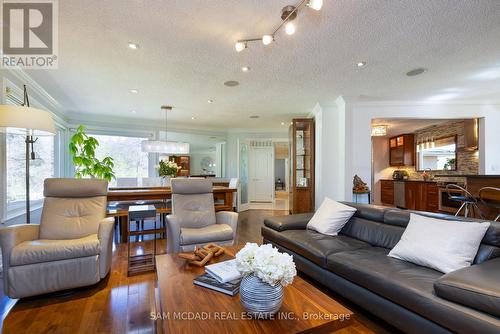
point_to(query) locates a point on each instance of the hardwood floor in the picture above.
(122, 304)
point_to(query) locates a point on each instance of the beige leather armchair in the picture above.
(193, 220)
(71, 247)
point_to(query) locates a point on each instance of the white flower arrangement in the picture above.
(266, 263)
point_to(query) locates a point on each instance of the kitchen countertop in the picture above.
(469, 175)
(413, 180)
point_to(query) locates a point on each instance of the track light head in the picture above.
(290, 28)
(240, 46)
(267, 39)
(315, 4)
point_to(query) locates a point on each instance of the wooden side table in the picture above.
(146, 261)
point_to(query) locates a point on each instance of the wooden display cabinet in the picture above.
(402, 150)
(301, 195)
(184, 162)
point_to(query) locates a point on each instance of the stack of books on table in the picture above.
(222, 277)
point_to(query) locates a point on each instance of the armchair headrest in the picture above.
(74, 188)
(191, 186)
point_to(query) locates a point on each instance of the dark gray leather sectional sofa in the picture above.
(412, 298)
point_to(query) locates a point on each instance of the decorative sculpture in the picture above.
(359, 186)
(201, 255)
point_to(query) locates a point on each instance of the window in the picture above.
(128, 157)
(40, 168)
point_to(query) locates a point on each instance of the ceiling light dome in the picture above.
(240, 46)
(290, 28)
(315, 4)
(267, 39)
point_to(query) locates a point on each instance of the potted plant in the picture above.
(265, 272)
(166, 170)
(82, 147)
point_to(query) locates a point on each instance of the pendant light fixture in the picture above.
(165, 146)
(288, 14)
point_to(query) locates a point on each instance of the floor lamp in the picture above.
(35, 122)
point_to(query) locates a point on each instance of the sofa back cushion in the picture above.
(383, 227)
(73, 208)
(368, 225)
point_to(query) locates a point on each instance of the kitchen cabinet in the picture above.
(418, 195)
(387, 192)
(421, 196)
(402, 150)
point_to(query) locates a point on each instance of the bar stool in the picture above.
(487, 201)
(469, 203)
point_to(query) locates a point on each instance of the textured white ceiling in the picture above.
(187, 52)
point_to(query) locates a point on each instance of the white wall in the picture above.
(358, 137)
(330, 126)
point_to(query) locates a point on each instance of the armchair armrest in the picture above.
(475, 286)
(105, 236)
(10, 237)
(229, 218)
(173, 228)
(291, 222)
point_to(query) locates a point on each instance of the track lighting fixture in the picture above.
(288, 14)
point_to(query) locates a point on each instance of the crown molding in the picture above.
(35, 88)
(412, 103)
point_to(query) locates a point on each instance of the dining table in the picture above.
(120, 198)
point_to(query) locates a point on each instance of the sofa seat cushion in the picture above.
(210, 233)
(405, 284)
(43, 250)
(311, 244)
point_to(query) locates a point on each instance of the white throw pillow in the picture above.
(439, 244)
(330, 217)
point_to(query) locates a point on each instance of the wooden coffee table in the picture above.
(182, 307)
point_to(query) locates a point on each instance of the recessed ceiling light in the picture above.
(415, 72)
(231, 83)
(134, 91)
(254, 116)
(133, 111)
(210, 101)
(361, 64)
(133, 46)
(193, 118)
(245, 68)
(282, 123)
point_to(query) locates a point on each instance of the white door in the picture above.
(261, 174)
(243, 157)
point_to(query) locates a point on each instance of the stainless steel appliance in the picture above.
(399, 194)
(445, 204)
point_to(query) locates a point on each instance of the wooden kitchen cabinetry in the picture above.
(402, 150)
(421, 196)
(387, 192)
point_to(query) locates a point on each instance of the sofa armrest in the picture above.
(10, 237)
(475, 286)
(173, 228)
(105, 236)
(229, 218)
(291, 222)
